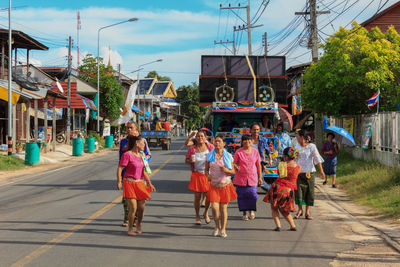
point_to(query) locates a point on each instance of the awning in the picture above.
(88, 103)
(135, 108)
(17, 91)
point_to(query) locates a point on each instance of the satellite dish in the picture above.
(224, 93)
(59, 87)
(265, 94)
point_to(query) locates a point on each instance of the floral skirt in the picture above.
(136, 190)
(199, 182)
(281, 197)
(223, 194)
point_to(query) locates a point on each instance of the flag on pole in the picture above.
(373, 100)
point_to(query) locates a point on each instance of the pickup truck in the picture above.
(158, 139)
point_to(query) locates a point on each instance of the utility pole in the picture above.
(248, 25)
(10, 128)
(313, 44)
(265, 44)
(69, 93)
(227, 42)
(77, 35)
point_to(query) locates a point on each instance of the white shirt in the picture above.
(200, 163)
(308, 157)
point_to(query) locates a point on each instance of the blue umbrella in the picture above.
(341, 135)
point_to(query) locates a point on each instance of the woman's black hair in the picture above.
(333, 135)
(132, 141)
(301, 132)
(254, 124)
(202, 131)
(245, 137)
(220, 137)
(286, 153)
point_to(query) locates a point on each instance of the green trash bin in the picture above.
(32, 153)
(77, 147)
(109, 141)
(89, 145)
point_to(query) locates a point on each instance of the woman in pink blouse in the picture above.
(134, 190)
(219, 170)
(196, 157)
(247, 163)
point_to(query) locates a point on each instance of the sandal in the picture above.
(299, 214)
(245, 218)
(215, 233)
(277, 229)
(308, 217)
(131, 233)
(124, 224)
(207, 221)
(224, 235)
(293, 229)
(252, 215)
(198, 222)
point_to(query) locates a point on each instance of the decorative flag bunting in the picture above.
(373, 100)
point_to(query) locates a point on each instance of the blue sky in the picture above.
(179, 32)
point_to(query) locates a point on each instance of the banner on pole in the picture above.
(367, 131)
(348, 124)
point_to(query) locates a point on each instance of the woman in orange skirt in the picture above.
(196, 157)
(218, 171)
(134, 190)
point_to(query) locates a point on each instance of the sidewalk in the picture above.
(362, 219)
(62, 156)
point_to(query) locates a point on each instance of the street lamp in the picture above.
(98, 66)
(138, 90)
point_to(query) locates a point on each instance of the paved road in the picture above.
(70, 217)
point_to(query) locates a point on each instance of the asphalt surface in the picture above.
(71, 217)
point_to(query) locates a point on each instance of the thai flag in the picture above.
(373, 100)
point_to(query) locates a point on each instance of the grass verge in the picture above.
(370, 184)
(10, 163)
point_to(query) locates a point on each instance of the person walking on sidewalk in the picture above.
(218, 170)
(134, 191)
(308, 157)
(330, 150)
(196, 157)
(132, 130)
(247, 163)
(281, 193)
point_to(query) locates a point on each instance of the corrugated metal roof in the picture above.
(19, 90)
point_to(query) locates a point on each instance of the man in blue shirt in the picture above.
(284, 139)
(132, 130)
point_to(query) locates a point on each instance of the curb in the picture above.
(384, 235)
(43, 167)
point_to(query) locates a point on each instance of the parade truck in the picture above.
(158, 139)
(246, 87)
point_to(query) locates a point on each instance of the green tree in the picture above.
(356, 63)
(188, 97)
(111, 92)
(153, 74)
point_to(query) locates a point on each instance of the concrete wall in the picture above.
(387, 158)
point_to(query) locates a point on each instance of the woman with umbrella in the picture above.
(308, 157)
(330, 150)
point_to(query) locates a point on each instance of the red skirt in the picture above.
(223, 194)
(281, 197)
(136, 190)
(199, 182)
